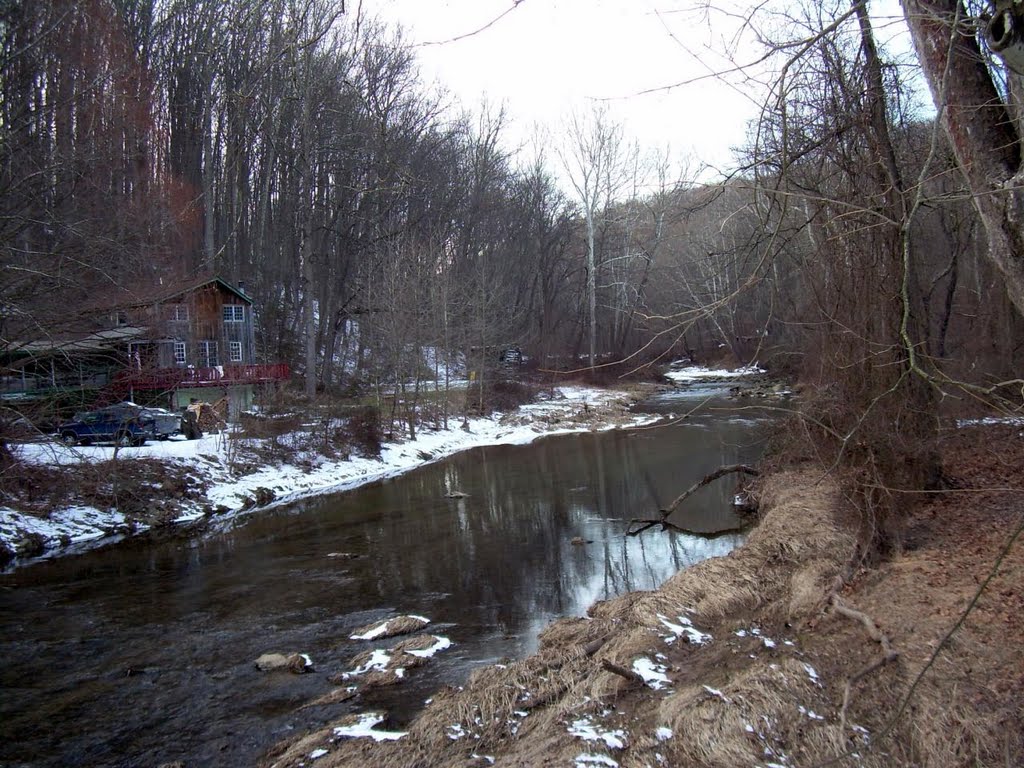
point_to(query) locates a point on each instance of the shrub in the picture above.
(500, 396)
(362, 431)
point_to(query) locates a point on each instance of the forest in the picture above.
(866, 243)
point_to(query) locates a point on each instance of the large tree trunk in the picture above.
(980, 128)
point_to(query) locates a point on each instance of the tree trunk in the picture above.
(209, 245)
(591, 290)
(979, 126)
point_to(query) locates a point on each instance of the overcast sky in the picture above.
(546, 57)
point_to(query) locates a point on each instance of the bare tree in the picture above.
(593, 160)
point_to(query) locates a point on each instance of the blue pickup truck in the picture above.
(123, 424)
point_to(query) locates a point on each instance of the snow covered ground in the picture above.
(698, 373)
(572, 409)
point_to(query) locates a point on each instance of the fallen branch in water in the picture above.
(707, 479)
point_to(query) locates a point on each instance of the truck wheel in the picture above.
(69, 439)
(123, 439)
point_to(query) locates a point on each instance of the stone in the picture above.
(296, 663)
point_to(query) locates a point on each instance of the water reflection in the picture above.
(143, 652)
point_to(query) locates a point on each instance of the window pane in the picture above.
(234, 313)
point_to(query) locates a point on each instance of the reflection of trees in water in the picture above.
(505, 549)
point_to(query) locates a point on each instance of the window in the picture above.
(208, 354)
(235, 350)
(178, 313)
(234, 313)
(179, 353)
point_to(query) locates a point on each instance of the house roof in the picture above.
(133, 294)
(161, 293)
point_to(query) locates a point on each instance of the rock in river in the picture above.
(294, 662)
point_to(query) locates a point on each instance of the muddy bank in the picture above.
(743, 660)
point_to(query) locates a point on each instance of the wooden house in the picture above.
(204, 324)
(167, 344)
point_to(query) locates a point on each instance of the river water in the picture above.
(142, 652)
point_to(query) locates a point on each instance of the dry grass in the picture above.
(805, 539)
(756, 717)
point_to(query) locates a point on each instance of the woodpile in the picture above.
(209, 417)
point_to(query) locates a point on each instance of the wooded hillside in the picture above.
(380, 225)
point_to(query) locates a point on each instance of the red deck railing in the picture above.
(221, 375)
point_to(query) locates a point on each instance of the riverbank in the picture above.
(789, 651)
(75, 498)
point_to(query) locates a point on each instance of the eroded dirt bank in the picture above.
(743, 661)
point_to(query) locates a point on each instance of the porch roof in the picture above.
(98, 341)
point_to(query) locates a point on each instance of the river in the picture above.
(142, 653)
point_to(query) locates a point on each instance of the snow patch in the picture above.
(373, 633)
(699, 373)
(381, 629)
(378, 662)
(588, 759)
(756, 632)
(684, 627)
(440, 644)
(586, 730)
(71, 525)
(716, 692)
(363, 728)
(990, 421)
(651, 673)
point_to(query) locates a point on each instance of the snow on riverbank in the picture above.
(699, 373)
(572, 409)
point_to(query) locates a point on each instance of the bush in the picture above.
(362, 432)
(500, 396)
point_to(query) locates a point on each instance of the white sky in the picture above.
(547, 57)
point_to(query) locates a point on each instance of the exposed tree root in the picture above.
(888, 654)
(615, 669)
